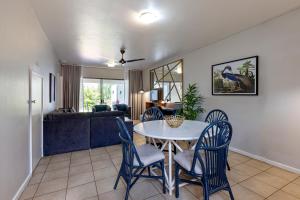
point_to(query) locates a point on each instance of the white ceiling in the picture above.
(91, 32)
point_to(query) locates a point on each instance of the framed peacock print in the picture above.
(237, 77)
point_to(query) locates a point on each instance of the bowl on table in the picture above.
(174, 121)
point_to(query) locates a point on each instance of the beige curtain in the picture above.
(71, 86)
(135, 98)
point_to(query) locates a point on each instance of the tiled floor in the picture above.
(90, 175)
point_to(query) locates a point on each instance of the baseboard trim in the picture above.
(271, 162)
(22, 187)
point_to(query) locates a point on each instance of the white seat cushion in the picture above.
(185, 160)
(148, 154)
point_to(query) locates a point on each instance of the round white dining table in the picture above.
(160, 130)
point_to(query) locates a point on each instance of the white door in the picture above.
(36, 118)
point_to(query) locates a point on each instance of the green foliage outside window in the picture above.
(91, 98)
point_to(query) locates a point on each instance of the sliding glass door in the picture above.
(101, 91)
(113, 91)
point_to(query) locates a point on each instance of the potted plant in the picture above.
(192, 103)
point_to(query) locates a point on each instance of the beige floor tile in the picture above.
(100, 157)
(80, 179)
(80, 154)
(231, 182)
(29, 192)
(272, 180)
(102, 164)
(92, 198)
(115, 154)
(117, 161)
(250, 179)
(241, 193)
(40, 169)
(157, 197)
(60, 157)
(238, 157)
(280, 195)
(196, 190)
(97, 151)
(235, 177)
(292, 189)
(81, 169)
(45, 160)
(59, 195)
(81, 161)
(52, 175)
(297, 181)
(282, 173)
(36, 178)
(184, 194)
(82, 192)
(58, 165)
(245, 170)
(107, 184)
(143, 190)
(221, 195)
(113, 148)
(233, 162)
(104, 173)
(113, 195)
(157, 184)
(258, 164)
(259, 187)
(52, 186)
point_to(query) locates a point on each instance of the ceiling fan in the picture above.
(123, 61)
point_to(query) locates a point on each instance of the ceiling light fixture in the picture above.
(111, 64)
(148, 17)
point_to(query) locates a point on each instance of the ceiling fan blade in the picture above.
(133, 60)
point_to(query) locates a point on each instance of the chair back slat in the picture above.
(128, 148)
(152, 114)
(216, 115)
(211, 152)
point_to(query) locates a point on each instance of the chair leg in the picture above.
(230, 193)
(127, 191)
(117, 181)
(149, 171)
(228, 167)
(162, 164)
(205, 190)
(176, 180)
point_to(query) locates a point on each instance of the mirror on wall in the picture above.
(169, 78)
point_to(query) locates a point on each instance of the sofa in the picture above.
(101, 108)
(124, 108)
(67, 132)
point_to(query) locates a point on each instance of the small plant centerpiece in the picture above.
(192, 103)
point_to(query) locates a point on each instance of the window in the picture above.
(100, 91)
(168, 77)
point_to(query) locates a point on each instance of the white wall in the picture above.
(23, 44)
(266, 125)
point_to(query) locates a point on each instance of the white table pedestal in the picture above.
(159, 130)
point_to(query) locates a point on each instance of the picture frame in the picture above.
(52, 88)
(236, 77)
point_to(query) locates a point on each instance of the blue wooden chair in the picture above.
(151, 114)
(217, 115)
(207, 163)
(137, 159)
